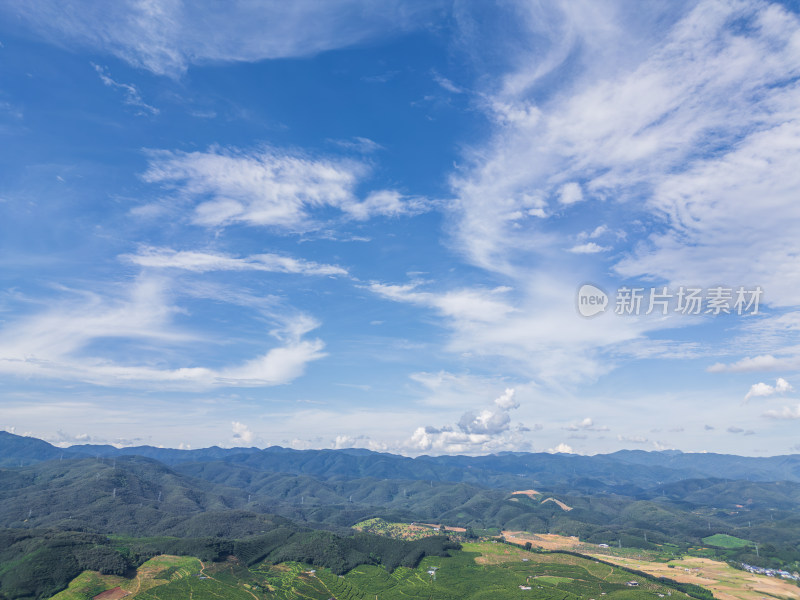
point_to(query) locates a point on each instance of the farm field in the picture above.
(726, 582)
(722, 540)
(723, 580)
(545, 541)
(481, 571)
(157, 571)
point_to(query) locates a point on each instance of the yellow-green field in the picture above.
(481, 571)
(156, 571)
(726, 582)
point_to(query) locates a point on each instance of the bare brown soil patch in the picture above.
(112, 594)
(528, 493)
(546, 541)
(561, 505)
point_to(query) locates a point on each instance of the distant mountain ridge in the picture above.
(637, 499)
(620, 471)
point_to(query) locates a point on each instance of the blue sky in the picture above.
(361, 224)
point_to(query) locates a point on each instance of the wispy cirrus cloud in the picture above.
(271, 188)
(167, 36)
(131, 94)
(533, 330)
(60, 343)
(639, 128)
(203, 262)
(761, 362)
(670, 124)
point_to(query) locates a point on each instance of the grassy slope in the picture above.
(158, 571)
(723, 540)
(723, 580)
(481, 571)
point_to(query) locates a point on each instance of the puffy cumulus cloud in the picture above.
(586, 424)
(241, 433)
(492, 420)
(595, 233)
(561, 448)
(63, 439)
(61, 343)
(347, 441)
(762, 390)
(269, 187)
(785, 413)
(570, 193)
(507, 400)
(477, 432)
(202, 262)
(166, 36)
(341, 442)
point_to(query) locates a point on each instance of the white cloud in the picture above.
(446, 84)
(202, 262)
(761, 390)
(630, 129)
(467, 304)
(597, 232)
(241, 433)
(358, 441)
(59, 342)
(477, 432)
(588, 248)
(387, 203)
(764, 362)
(561, 448)
(359, 144)
(445, 389)
(570, 193)
(131, 92)
(787, 412)
(673, 121)
(269, 187)
(166, 36)
(586, 424)
(492, 420)
(633, 439)
(535, 330)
